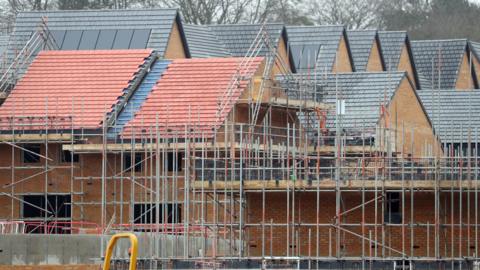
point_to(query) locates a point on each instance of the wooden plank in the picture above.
(97, 148)
(293, 104)
(298, 104)
(330, 184)
(117, 147)
(35, 137)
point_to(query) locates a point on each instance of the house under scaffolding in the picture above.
(315, 170)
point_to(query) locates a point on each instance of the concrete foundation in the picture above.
(39, 249)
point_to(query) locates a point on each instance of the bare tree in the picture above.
(432, 19)
(10, 8)
(21, 5)
(193, 11)
(355, 14)
(287, 12)
(404, 14)
(205, 11)
(231, 11)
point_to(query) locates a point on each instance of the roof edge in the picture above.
(95, 10)
(412, 61)
(349, 51)
(179, 21)
(423, 109)
(379, 46)
(284, 35)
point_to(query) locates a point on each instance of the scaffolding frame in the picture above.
(221, 174)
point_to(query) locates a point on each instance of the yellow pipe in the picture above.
(111, 245)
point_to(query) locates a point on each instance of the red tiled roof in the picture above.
(188, 94)
(66, 86)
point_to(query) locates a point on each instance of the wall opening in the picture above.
(68, 156)
(31, 153)
(393, 212)
(145, 213)
(58, 215)
(174, 162)
(134, 163)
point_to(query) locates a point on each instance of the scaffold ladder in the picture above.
(40, 40)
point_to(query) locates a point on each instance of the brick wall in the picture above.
(456, 240)
(88, 191)
(393, 236)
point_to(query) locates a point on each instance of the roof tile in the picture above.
(82, 87)
(361, 43)
(237, 38)
(363, 92)
(314, 46)
(188, 94)
(202, 42)
(445, 56)
(455, 115)
(392, 43)
(158, 22)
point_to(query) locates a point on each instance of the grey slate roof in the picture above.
(454, 114)
(424, 82)
(475, 46)
(361, 43)
(237, 38)
(3, 43)
(392, 43)
(202, 42)
(445, 55)
(158, 21)
(3, 50)
(314, 46)
(363, 92)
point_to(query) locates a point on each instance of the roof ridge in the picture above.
(192, 24)
(440, 40)
(242, 24)
(392, 31)
(451, 90)
(371, 72)
(313, 26)
(362, 30)
(214, 59)
(97, 10)
(95, 52)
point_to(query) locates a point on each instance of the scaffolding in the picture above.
(299, 194)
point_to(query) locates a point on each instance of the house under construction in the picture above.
(241, 146)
